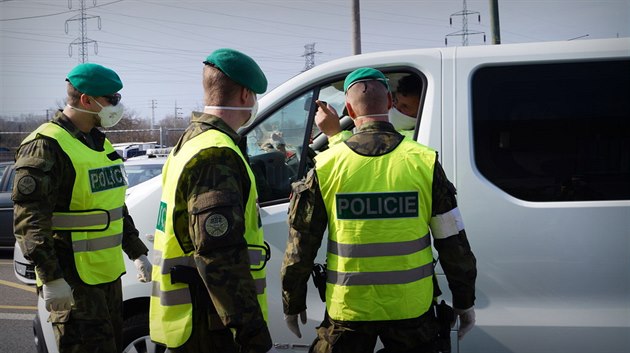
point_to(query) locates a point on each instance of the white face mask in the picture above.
(400, 120)
(109, 115)
(252, 116)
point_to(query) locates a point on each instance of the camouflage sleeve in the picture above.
(455, 254)
(307, 223)
(35, 193)
(131, 243)
(215, 191)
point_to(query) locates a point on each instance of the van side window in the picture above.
(274, 148)
(554, 132)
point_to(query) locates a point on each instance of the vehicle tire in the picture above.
(136, 336)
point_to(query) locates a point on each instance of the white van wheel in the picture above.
(144, 345)
(136, 337)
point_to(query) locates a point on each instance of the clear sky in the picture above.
(157, 46)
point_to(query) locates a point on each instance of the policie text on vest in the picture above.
(107, 178)
(377, 205)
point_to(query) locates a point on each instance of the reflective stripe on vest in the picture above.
(379, 249)
(167, 264)
(97, 243)
(182, 295)
(379, 210)
(85, 220)
(170, 306)
(171, 297)
(379, 278)
(256, 256)
(94, 218)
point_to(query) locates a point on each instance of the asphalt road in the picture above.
(17, 309)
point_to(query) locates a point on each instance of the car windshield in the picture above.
(138, 173)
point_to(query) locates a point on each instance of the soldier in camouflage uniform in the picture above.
(368, 101)
(85, 302)
(209, 199)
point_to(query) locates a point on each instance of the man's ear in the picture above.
(85, 100)
(390, 101)
(350, 111)
(245, 93)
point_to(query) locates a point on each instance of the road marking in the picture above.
(18, 307)
(18, 286)
(6, 262)
(11, 316)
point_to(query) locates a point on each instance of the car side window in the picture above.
(554, 132)
(2, 169)
(274, 148)
(7, 185)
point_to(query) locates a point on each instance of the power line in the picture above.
(464, 33)
(178, 111)
(584, 36)
(82, 41)
(153, 106)
(50, 14)
(31, 17)
(309, 56)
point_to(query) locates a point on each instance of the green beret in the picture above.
(239, 67)
(364, 74)
(94, 80)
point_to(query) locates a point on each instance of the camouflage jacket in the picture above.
(308, 221)
(44, 161)
(215, 180)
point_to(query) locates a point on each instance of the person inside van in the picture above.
(406, 104)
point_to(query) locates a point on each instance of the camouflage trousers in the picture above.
(95, 322)
(418, 335)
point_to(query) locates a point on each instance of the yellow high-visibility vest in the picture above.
(379, 255)
(95, 215)
(170, 313)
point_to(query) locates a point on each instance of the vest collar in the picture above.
(376, 126)
(209, 121)
(97, 136)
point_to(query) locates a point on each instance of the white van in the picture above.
(536, 138)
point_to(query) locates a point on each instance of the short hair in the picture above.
(74, 96)
(410, 85)
(218, 88)
(368, 97)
